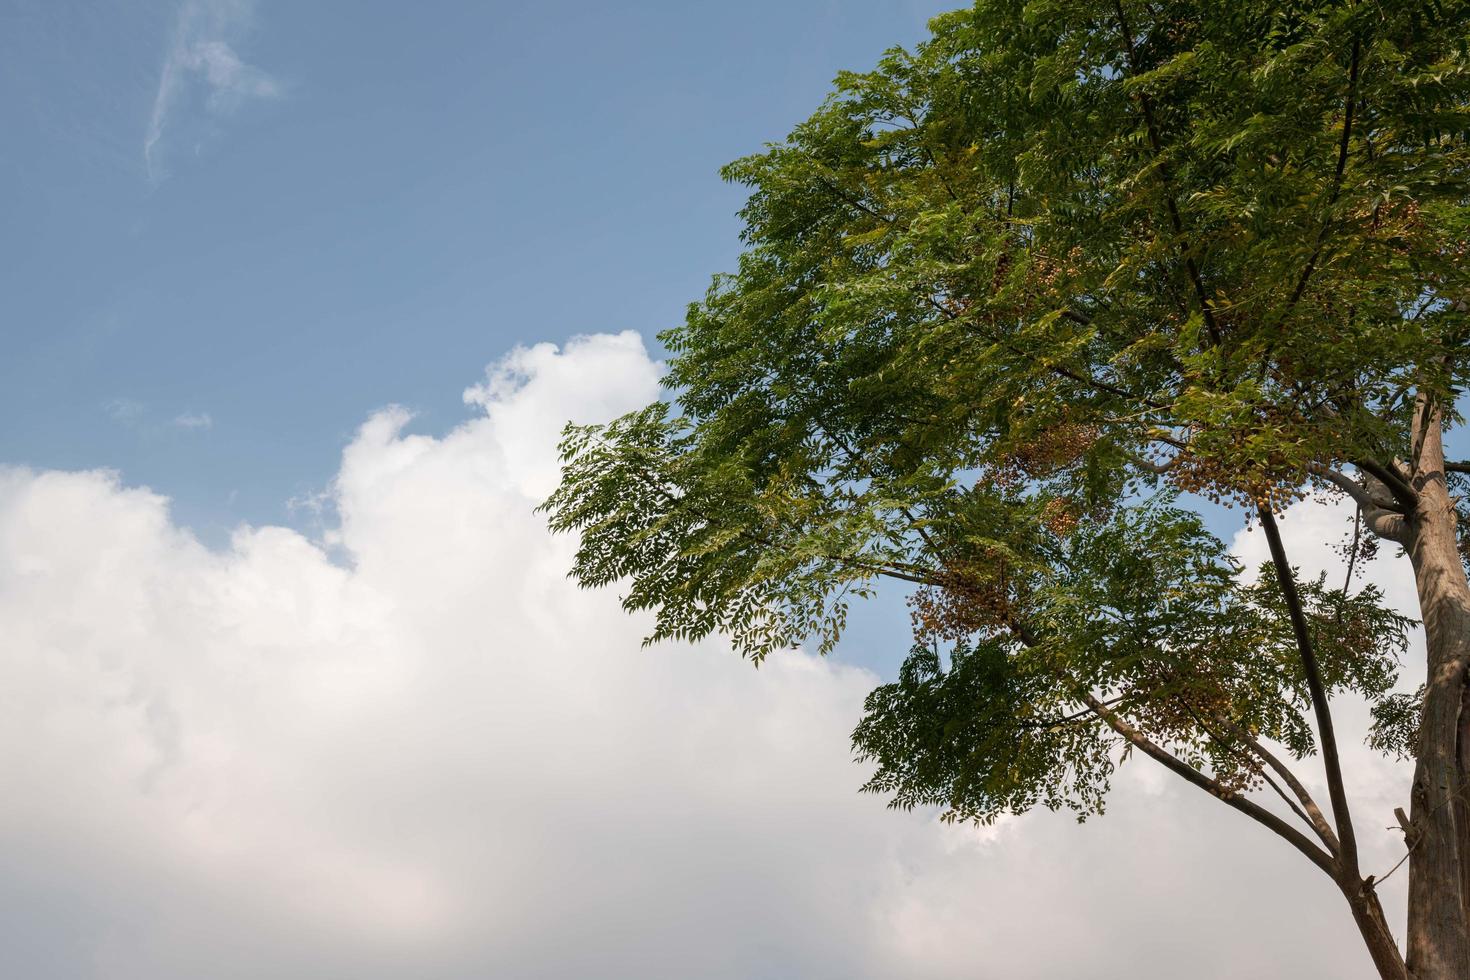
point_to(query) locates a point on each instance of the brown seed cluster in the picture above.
(975, 598)
(1190, 715)
(1060, 517)
(1222, 483)
(1054, 448)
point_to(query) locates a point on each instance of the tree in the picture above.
(1008, 305)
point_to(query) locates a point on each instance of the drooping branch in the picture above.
(1332, 763)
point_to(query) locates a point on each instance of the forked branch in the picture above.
(1230, 798)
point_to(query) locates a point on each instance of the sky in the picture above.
(296, 299)
(232, 227)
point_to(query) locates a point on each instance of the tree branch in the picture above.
(1385, 518)
(1253, 755)
(1328, 862)
(1342, 157)
(848, 199)
(1313, 814)
(1348, 854)
(1082, 379)
(1265, 817)
(1406, 495)
(1360, 494)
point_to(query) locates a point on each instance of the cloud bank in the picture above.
(434, 757)
(201, 68)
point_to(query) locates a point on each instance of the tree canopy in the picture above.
(1008, 304)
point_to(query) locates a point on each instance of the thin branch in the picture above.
(1342, 158)
(847, 198)
(1347, 580)
(1318, 691)
(1082, 379)
(1290, 803)
(1314, 812)
(1322, 859)
(1253, 762)
(1085, 713)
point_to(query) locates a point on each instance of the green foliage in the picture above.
(1002, 298)
(1396, 723)
(1150, 609)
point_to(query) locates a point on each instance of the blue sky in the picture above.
(346, 205)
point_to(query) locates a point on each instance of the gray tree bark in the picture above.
(1439, 832)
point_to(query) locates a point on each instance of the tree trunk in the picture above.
(1439, 929)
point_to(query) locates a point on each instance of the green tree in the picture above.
(1008, 303)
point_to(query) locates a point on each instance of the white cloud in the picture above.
(193, 421)
(201, 63)
(440, 759)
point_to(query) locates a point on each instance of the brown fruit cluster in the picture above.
(1060, 517)
(1220, 483)
(974, 599)
(1053, 448)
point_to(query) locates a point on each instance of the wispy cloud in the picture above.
(193, 421)
(202, 65)
(128, 411)
(135, 415)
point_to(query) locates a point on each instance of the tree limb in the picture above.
(1348, 854)
(1265, 817)
(1389, 476)
(1360, 494)
(1313, 814)
(1342, 157)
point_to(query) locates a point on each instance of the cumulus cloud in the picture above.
(200, 64)
(435, 757)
